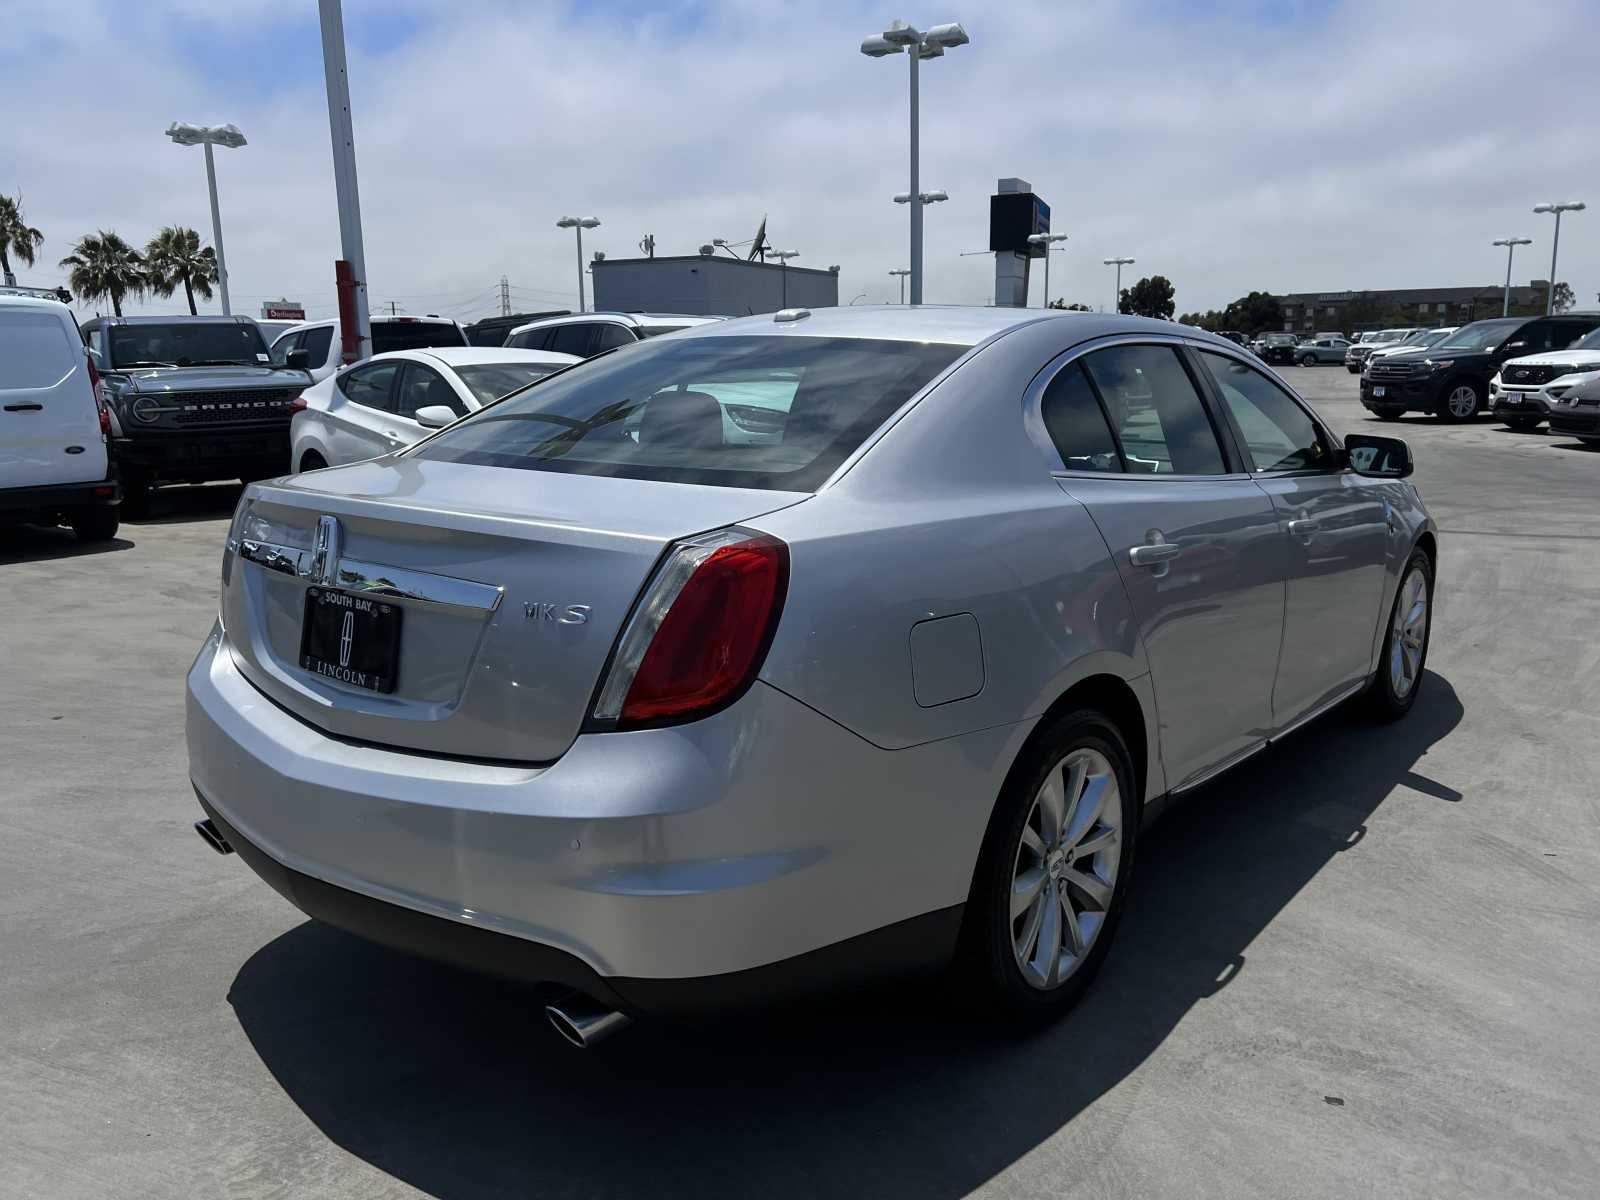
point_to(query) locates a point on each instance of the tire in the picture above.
(135, 495)
(1453, 405)
(97, 524)
(1308, 360)
(993, 970)
(1388, 414)
(312, 461)
(1354, 370)
(1395, 686)
(1522, 424)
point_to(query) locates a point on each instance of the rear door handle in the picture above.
(1150, 556)
(1304, 527)
(24, 408)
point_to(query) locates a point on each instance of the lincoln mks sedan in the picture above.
(790, 651)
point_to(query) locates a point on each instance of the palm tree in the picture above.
(106, 267)
(17, 236)
(176, 256)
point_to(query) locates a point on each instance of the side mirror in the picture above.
(298, 359)
(434, 416)
(1378, 457)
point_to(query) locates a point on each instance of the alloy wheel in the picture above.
(1463, 401)
(1410, 631)
(1065, 871)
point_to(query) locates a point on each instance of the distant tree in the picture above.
(16, 237)
(1150, 297)
(176, 256)
(1062, 304)
(1253, 313)
(1564, 299)
(104, 267)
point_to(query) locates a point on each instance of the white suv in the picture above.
(588, 334)
(54, 465)
(322, 343)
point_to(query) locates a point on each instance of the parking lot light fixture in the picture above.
(901, 38)
(902, 272)
(1557, 207)
(1511, 244)
(578, 225)
(185, 134)
(783, 257)
(1044, 239)
(1119, 263)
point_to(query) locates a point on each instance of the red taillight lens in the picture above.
(100, 400)
(298, 404)
(700, 632)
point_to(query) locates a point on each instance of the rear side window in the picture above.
(413, 335)
(572, 339)
(529, 339)
(37, 349)
(1076, 423)
(756, 412)
(1155, 411)
(371, 386)
(609, 337)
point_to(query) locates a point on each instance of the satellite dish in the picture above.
(760, 244)
(599, 256)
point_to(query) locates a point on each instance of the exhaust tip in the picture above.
(212, 836)
(583, 1022)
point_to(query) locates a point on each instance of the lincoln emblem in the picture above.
(347, 635)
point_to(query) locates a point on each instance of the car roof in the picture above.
(636, 319)
(16, 300)
(175, 319)
(473, 356)
(430, 319)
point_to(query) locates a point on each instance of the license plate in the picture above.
(1512, 398)
(351, 639)
(1377, 392)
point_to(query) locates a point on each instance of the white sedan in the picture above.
(392, 400)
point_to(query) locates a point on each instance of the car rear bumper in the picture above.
(663, 861)
(60, 497)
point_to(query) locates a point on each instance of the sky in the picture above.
(1230, 145)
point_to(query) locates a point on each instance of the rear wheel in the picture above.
(1462, 402)
(1308, 360)
(312, 461)
(1053, 873)
(1388, 414)
(1354, 370)
(98, 524)
(1405, 647)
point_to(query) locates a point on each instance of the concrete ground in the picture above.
(1366, 963)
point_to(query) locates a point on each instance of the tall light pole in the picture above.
(578, 225)
(1511, 244)
(1555, 243)
(901, 38)
(783, 257)
(1044, 239)
(355, 331)
(902, 272)
(185, 134)
(1119, 263)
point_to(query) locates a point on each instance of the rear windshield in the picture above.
(193, 345)
(37, 349)
(757, 412)
(490, 381)
(414, 335)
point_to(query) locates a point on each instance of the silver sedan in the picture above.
(796, 649)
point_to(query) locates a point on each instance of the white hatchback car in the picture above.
(394, 399)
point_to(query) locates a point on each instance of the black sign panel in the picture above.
(351, 639)
(1013, 216)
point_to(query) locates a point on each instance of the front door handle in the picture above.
(1150, 556)
(1304, 527)
(25, 407)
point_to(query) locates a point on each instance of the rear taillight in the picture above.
(700, 632)
(298, 404)
(99, 390)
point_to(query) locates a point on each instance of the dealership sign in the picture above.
(283, 310)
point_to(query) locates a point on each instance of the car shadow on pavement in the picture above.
(1580, 447)
(37, 543)
(454, 1083)
(189, 502)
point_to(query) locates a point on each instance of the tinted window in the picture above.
(609, 337)
(490, 381)
(572, 339)
(1278, 434)
(414, 335)
(37, 349)
(317, 343)
(1076, 423)
(1155, 411)
(370, 386)
(660, 411)
(421, 388)
(1480, 335)
(530, 339)
(1569, 333)
(186, 345)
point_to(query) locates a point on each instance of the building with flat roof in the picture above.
(710, 285)
(1305, 312)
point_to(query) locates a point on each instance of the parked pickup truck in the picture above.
(191, 399)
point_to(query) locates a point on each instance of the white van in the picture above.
(54, 465)
(321, 342)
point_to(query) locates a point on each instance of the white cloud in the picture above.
(1364, 145)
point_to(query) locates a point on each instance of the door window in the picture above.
(317, 343)
(280, 348)
(1157, 415)
(572, 339)
(421, 388)
(1076, 423)
(1278, 434)
(609, 337)
(370, 387)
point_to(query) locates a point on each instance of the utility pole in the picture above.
(341, 127)
(505, 296)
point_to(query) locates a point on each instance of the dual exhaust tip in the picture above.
(580, 1019)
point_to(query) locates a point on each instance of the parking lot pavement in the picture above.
(1362, 964)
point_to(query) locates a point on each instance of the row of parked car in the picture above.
(93, 418)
